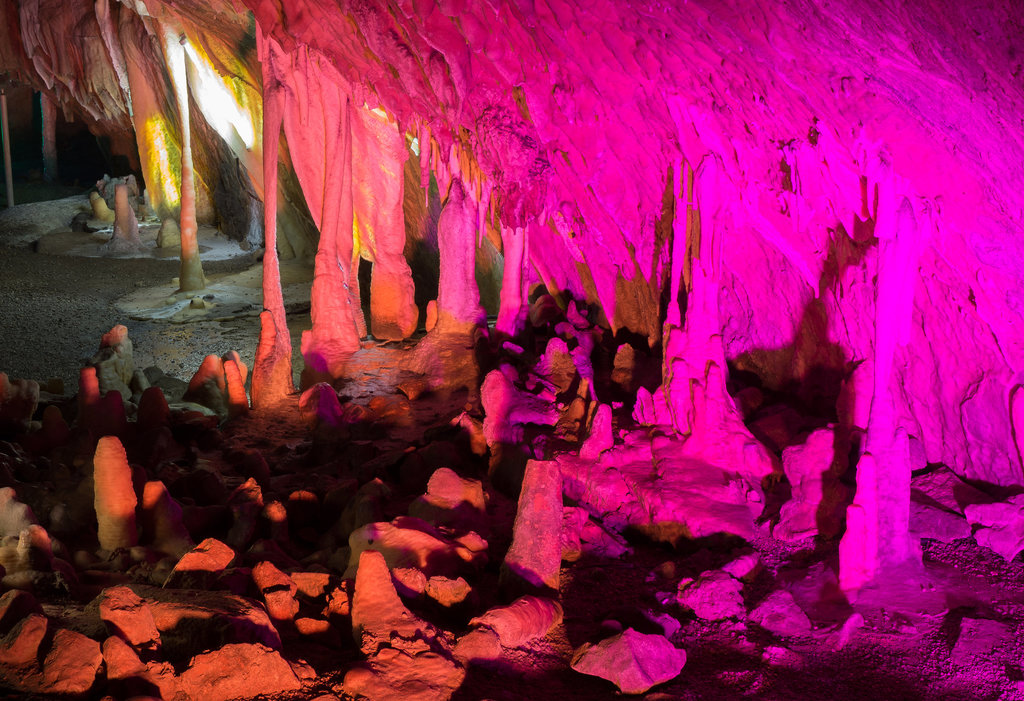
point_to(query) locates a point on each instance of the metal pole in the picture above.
(6, 127)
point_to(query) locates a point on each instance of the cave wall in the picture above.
(570, 121)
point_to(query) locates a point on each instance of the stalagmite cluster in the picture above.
(596, 349)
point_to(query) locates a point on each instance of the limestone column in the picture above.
(272, 369)
(317, 120)
(458, 298)
(379, 158)
(877, 537)
(511, 309)
(191, 276)
(49, 109)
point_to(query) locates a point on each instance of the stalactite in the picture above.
(191, 277)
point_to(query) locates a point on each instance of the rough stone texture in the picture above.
(657, 489)
(127, 616)
(71, 665)
(780, 614)
(15, 605)
(191, 621)
(525, 619)
(131, 676)
(816, 502)
(278, 591)
(713, 596)
(632, 661)
(451, 500)
(160, 516)
(448, 592)
(200, 565)
(534, 559)
(115, 362)
(379, 618)
(409, 542)
(396, 674)
(238, 670)
(1000, 525)
(125, 238)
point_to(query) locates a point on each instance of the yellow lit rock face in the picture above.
(161, 159)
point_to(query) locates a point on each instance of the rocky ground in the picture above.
(370, 539)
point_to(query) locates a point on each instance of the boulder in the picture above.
(410, 542)
(397, 674)
(448, 592)
(201, 565)
(128, 617)
(780, 614)
(534, 559)
(525, 619)
(380, 619)
(278, 591)
(1000, 526)
(713, 596)
(632, 661)
(452, 501)
(238, 670)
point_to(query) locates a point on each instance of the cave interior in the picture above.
(433, 349)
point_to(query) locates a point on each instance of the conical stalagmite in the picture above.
(114, 495)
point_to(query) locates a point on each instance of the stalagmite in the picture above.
(272, 369)
(88, 395)
(191, 277)
(458, 298)
(234, 378)
(877, 537)
(100, 210)
(126, 227)
(379, 155)
(512, 312)
(534, 559)
(161, 521)
(114, 496)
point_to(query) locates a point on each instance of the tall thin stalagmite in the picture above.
(191, 277)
